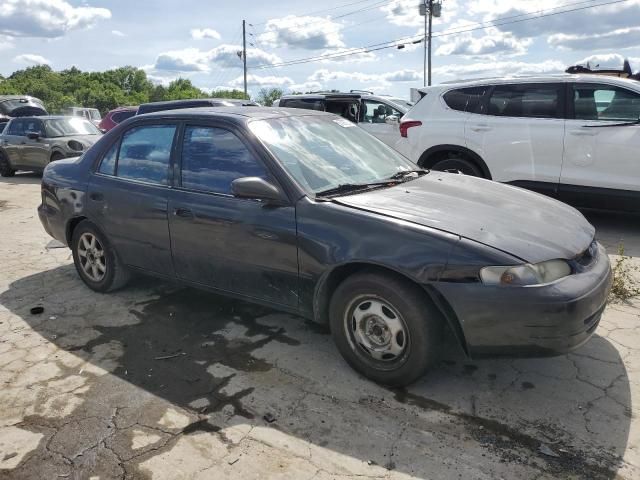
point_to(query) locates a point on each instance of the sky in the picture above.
(200, 40)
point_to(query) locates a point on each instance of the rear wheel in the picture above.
(5, 166)
(95, 260)
(385, 328)
(456, 163)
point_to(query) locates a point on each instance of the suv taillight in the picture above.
(404, 126)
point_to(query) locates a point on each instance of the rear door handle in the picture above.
(583, 133)
(96, 196)
(481, 128)
(183, 212)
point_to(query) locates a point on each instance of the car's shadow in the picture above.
(230, 363)
(615, 230)
(23, 178)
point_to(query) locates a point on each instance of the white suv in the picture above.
(574, 137)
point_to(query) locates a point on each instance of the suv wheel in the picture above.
(5, 166)
(454, 163)
(95, 260)
(385, 328)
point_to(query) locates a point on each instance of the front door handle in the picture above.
(96, 196)
(183, 212)
(583, 133)
(481, 128)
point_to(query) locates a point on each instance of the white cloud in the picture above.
(195, 60)
(493, 42)
(597, 20)
(496, 69)
(261, 81)
(32, 59)
(201, 33)
(6, 43)
(118, 33)
(311, 33)
(46, 18)
(323, 76)
(306, 87)
(621, 38)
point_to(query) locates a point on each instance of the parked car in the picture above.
(116, 116)
(304, 212)
(193, 103)
(91, 114)
(573, 137)
(377, 114)
(21, 106)
(31, 143)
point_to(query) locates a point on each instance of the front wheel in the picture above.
(458, 164)
(385, 328)
(5, 167)
(95, 260)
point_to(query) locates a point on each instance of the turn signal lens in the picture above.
(527, 274)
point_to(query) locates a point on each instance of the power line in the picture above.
(417, 38)
(323, 10)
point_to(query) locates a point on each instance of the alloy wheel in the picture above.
(92, 257)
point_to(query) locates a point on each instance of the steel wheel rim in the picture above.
(91, 256)
(377, 332)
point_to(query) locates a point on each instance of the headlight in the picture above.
(526, 274)
(75, 145)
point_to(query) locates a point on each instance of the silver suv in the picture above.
(377, 114)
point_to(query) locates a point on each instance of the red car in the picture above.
(114, 117)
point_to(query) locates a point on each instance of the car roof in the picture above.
(43, 117)
(234, 113)
(4, 98)
(560, 77)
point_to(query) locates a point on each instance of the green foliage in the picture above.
(102, 90)
(267, 96)
(625, 285)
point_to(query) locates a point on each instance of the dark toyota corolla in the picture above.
(305, 212)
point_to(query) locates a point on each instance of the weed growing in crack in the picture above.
(625, 285)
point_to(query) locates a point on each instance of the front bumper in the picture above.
(535, 320)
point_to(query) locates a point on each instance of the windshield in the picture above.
(64, 127)
(322, 153)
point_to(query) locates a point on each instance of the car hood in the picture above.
(524, 224)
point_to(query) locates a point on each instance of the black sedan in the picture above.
(305, 212)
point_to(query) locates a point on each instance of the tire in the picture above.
(55, 156)
(454, 163)
(396, 353)
(5, 166)
(96, 263)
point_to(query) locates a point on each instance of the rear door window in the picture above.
(214, 157)
(145, 154)
(526, 100)
(605, 102)
(16, 128)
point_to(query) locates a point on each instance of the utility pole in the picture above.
(244, 55)
(428, 9)
(429, 39)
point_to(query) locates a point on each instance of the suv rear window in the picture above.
(307, 103)
(466, 99)
(538, 101)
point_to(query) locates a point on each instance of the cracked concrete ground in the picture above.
(158, 381)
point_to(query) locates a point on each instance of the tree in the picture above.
(266, 96)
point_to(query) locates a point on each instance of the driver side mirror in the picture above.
(258, 189)
(392, 120)
(33, 135)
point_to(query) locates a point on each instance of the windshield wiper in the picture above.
(623, 124)
(351, 187)
(405, 173)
